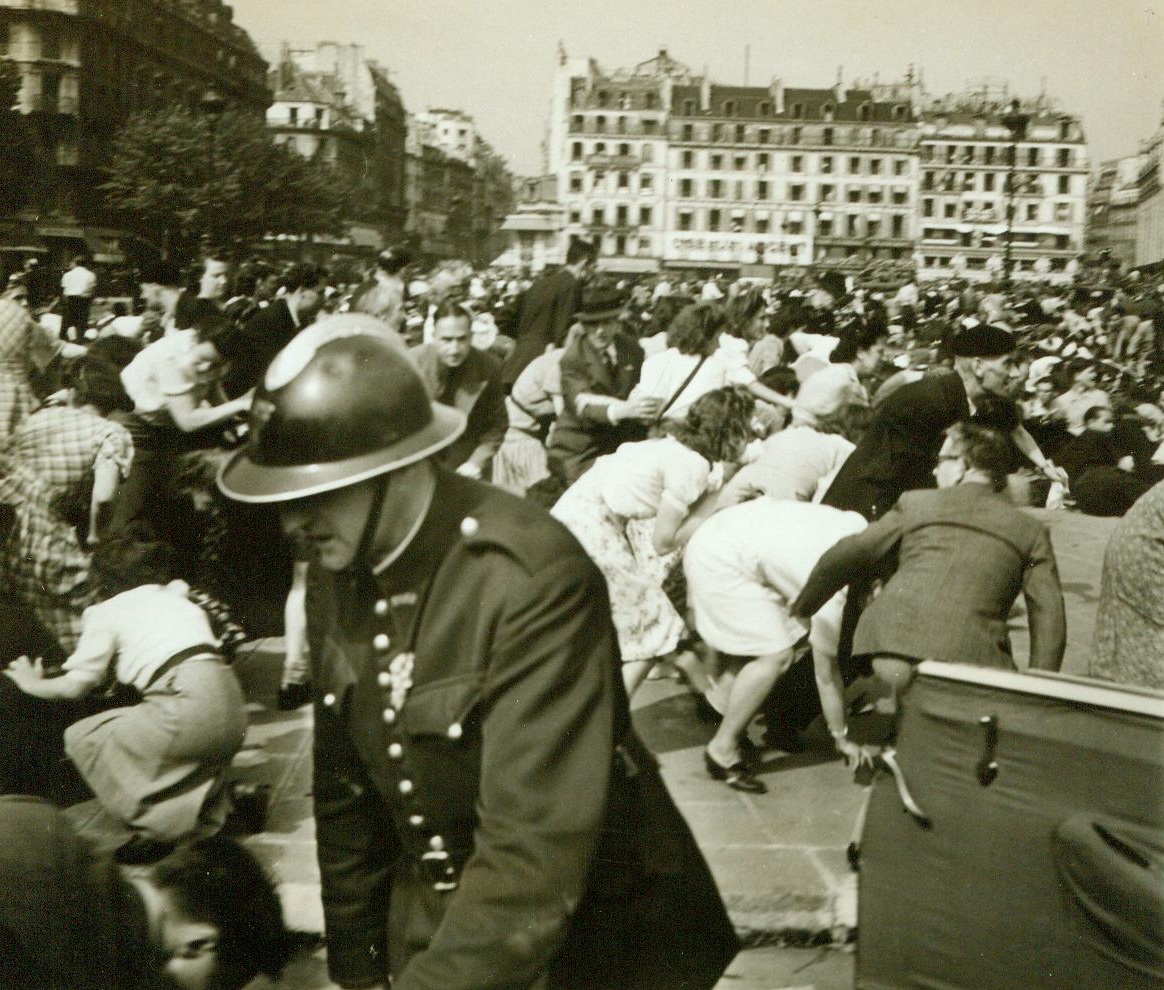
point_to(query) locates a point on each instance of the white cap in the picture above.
(710, 293)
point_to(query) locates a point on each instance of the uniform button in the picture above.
(381, 607)
(469, 526)
(384, 679)
(381, 641)
(455, 731)
(416, 821)
(329, 699)
(405, 787)
(389, 716)
(436, 843)
(395, 751)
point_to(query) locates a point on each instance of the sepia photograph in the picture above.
(637, 495)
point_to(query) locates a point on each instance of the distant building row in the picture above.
(1126, 213)
(664, 168)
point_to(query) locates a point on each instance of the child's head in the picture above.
(130, 559)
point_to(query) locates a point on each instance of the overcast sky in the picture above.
(1103, 59)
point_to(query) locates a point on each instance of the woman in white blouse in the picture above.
(702, 355)
(635, 509)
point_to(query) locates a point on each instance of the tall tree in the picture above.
(25, 166)
(187, 176)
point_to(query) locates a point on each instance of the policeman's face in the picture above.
(998, 375)
(330, 524)
(452, 339)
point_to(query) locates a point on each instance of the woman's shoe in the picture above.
(705, 711)
(738, 777)
(293, 696)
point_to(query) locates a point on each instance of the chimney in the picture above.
(839, 88)
(776, 88)
(705, 93)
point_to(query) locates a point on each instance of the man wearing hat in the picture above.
(599, 370)
(485, 814)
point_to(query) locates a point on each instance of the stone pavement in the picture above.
(778, 857)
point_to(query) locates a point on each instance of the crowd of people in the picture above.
(749, 469)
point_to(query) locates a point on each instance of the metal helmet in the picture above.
(341, 403)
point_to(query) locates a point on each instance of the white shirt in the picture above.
(79, 281)
(162, 370)
(637, 477)
(142, 628)
(663, 374)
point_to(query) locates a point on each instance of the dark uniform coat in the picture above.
(485, 815)
(252, 346)
(583, 432)
(545, 314)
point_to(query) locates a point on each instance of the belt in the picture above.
(201, 650)
(440, 869)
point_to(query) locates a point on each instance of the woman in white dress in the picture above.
(659, 482)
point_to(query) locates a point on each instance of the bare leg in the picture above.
(748, 691)
(634, 672)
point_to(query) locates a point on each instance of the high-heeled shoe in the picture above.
(738, 777)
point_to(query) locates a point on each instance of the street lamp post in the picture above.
(1016, 123)
(212, 104)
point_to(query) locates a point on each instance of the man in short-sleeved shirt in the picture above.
(77, 287)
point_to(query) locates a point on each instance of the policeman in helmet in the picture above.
(485, 815)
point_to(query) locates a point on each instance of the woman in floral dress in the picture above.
(633, 511)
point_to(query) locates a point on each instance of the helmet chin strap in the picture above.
(362, 558)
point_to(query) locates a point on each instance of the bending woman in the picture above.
(659, 482)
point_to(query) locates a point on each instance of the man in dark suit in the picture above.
(485, 814)
(599, 370)
(250, 348)
(547, 309)
(963, 552)
(459, 375)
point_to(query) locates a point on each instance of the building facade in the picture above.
(664, 168)
(984, 183)
(1150, 203)
(1113, 205)
(87, 65)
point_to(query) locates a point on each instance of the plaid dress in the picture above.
(49, 459)
(16, 398)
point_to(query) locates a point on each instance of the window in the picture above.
(603, 97)
(855, 165)
(854, 194)
(967, 181)
(644, 216)
(873, 227)
(950, 211)
(716, 162)
(685, 188)
(764, 109)
(714, 219)
(575, 182)
(576, 122)
(1032, 157)
(927, 207)
(624, 150)
(716, 132)
(729, 108)
(824, 227)
(646, 183)
(798, 111)
(624, 100)
(648, 151)
(688, 132)
(762, 161)
(950, 150)
(900, 166)
(600, 124)
(827, 193)
(1064, 184)
(575, 215)
(684, 219)
(1032, 211)
(738, 192)
(576, 151)
(826, 136)
(688, 110)
(851, 228)
(644, 245)
(620, 244)
(597, 216)
(900, 112)
(688, 159)
(875, 137)
(600, 147)
(796, 163)
(715, 189)
(795, 134)
(865, 112)
(900, 196)
(620, 125)
(293, 117)
(741, 133)
(621, 216)
(988, 182)
(875, 194)
(827, 111)
(762, 224)
(740, 162)
(650, 126)
(765, 135)
(1063, 212)
(796, 193)
(826, 165)
(1063, 158)
(651, 101)
(761, 189)
(623, 180)
(874, 166)
(988, 154)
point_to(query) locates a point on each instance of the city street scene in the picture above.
(634, 496)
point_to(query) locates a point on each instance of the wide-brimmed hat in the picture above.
(984, 341)
(600, 303)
